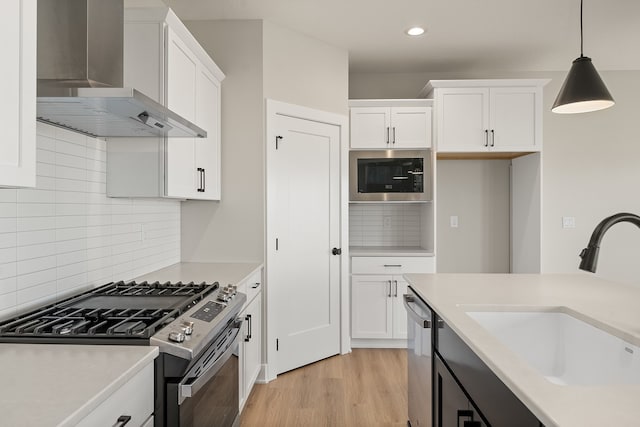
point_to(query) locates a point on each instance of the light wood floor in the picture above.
(365, 388)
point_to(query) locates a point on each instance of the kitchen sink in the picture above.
(564, 349)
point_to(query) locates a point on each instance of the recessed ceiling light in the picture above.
(415, 31)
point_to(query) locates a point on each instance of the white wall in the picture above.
(302, 70)
(477, 192)
(232, 229)
(260, 60)
(590, 166)
(66, 235)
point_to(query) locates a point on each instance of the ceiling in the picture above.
(462, 35)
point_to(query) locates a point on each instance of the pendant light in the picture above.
(583, 90)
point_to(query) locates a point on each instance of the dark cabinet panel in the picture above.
(498, 405)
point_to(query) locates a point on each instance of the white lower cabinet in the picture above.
(375, 311)
(134, 399)
(378, 316)
(250, 361)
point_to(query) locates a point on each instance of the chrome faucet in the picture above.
(589, 254)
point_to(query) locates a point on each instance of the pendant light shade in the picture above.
(583, 90)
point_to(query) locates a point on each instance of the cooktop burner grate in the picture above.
(122, 310)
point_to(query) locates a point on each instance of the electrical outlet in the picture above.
(568, 222)
(453, 221)
(386, 222)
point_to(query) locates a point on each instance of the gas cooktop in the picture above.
(118, 311)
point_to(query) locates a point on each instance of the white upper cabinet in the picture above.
(487, 115)
(18, 88)
(389, 124)
(164, 61)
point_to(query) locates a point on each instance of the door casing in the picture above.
(273, 109)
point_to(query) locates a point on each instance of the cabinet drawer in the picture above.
(134, 399)
(391, 265)
(251, 286)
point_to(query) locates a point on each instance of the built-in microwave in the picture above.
(390, 175)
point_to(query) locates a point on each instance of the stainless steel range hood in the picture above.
(80, 75)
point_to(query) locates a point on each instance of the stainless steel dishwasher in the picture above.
(419, 361)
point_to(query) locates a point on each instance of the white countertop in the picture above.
(58, 385)
(224, 273)
(389, 251)
(614, 307)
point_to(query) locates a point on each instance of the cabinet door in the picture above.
(463, 119)
(371, 308)
(370, 127)
(399, 312)
(513, 119)
(18, 88)
(452, 408)
(182, 177)
(207, 150)
(252, 343)
(410, 127)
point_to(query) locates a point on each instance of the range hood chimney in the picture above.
(80, 75)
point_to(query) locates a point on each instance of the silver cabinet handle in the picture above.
(389, 283)
(393, 265)
(387, 134)
(394, 134)
(395, 283)
(122, 421)
(256, 285)
(493, 137)
(486, 137)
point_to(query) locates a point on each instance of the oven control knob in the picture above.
(187, 328)
(176, 336)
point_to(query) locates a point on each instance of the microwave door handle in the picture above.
(189, 390)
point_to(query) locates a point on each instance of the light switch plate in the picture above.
(568, 222)
(453, 221)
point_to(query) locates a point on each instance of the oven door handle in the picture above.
(189, 390)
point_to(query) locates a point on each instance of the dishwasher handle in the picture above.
(425, 322)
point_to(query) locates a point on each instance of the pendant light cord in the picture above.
(581, 35)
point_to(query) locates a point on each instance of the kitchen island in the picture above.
(609, 306)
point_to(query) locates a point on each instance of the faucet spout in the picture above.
(589, 254)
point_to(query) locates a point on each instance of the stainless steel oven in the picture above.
(390, 175)
(195, 326)
(207, 394)
(419, 361)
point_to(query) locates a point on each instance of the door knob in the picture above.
(336, 251)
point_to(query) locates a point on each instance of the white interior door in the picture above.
(304, 275)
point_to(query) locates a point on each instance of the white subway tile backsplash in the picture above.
(36, 196)
(40, 291)
(8, 225)
(7, 285)
(26, 238)
(36, 251)
(8, 270)
(7, 301)
(36, 264)
(71, 258)
(367, 224)
(66, 235)
(71, 209)
(71, 246)
(7, 240)
(36, 223)
(45, 156)
(36, 209)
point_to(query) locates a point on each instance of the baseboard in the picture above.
(378, 343)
